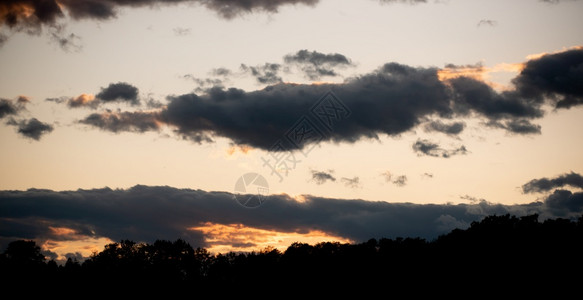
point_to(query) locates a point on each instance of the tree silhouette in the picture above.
(501, 252)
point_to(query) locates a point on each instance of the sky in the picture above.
(243, 124)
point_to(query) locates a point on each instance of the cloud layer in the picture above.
(147, 213)
(391, 100)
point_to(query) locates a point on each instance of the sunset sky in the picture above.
(135, 119)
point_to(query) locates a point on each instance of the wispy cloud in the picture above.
(429, 148)
(321, 177)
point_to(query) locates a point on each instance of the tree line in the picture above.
(498, 251)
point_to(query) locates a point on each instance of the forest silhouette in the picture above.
(498, 253)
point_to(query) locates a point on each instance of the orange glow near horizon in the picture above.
(85, 246)
(64, 240)
(238, 237)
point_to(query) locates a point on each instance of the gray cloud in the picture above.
(546, 184)
(180, 31)
(32, 128)
(265, 74)
(320, 177)
(316, 65)
(137, 121)
(120, 91)
(351, 182)
(398, 180)
(145, 213)
(8, 107)
(221, 72)
(233, 8)
(454, 128)
(67, 42)
(518, 126)
(58, 100)
(205, 84)
(486, 22)
(426, 147)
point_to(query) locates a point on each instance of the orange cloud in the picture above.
(82, 100)
(539, 55)
(238, 237)
(476, 72)
(86, 246)
(481, 73)
(62, 231)
(64, 240)
(238, 148)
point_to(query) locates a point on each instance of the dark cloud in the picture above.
(546, 184)
(454, 128)
(145, 214)
(391, 100)
(486, 22)
(556, 77)
(265, 74)
(426, 147)
(316, 65)
(565, 203)
(120, 91)
(320, 177)
(474, 96)
(137, 121)
(32, 128)
(35, 13)
(30, 16)
(8, 107)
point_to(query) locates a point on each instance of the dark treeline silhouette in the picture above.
(493, 255)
